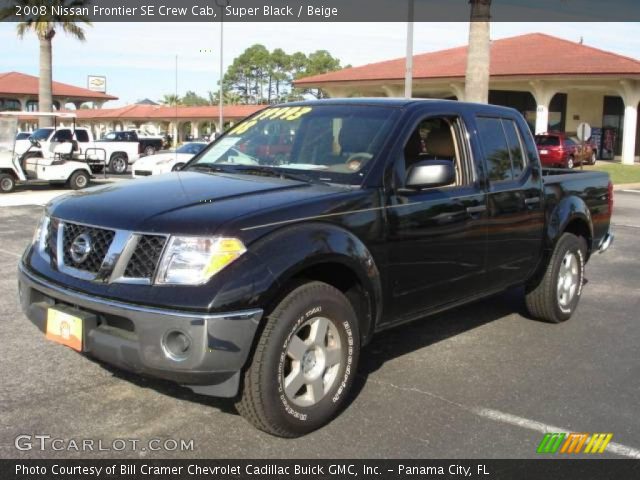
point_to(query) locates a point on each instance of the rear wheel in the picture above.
(555, 296)
(7, 183)
(570, 163)
(304, 363)
(79, 180)
(118, 164)
(149, 150)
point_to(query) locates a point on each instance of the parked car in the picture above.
(560, 150)
(145, 145)
(238, 277)
(165, 162)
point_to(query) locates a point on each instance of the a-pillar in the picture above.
(630, 93)
(543, 94)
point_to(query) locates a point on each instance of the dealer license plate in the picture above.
(64, 328)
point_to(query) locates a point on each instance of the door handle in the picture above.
(531, 201)
(477, 209)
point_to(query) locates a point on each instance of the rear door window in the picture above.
(82, 136)
(496, 148)
(515, 147)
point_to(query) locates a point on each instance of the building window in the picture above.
(32, 106)
(10, 104)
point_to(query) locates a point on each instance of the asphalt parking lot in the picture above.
(482, 381)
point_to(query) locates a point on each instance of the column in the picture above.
(543, 94)
(458, 90)
(630, 93)
(395, 91)
(195, 129)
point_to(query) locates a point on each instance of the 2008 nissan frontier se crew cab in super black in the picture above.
(261, 277)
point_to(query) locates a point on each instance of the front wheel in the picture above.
(7, 183)
(118, 164)
(304, 362)
(149, 150)
(79, 180)
(555, 296)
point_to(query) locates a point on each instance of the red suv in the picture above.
(557, 149)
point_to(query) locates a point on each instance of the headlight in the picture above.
(194, 260)
(40, 235)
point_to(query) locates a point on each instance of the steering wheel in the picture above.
(34, 142)
(356, 160)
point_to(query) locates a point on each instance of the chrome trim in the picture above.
(606, 242)
(74, 297)
(115, 261)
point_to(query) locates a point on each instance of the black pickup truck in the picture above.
(242, 276)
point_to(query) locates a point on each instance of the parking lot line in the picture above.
(498, 416)
(6, 252)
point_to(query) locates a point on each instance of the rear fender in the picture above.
(569, 210)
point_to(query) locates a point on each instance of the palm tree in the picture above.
(479, 52)
(44, 26)
(171, 100)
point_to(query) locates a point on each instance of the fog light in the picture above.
(176, 345)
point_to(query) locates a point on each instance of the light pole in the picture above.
(222, 4)
(408, 72)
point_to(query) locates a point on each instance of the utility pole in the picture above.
(222, 4)
(408, 72)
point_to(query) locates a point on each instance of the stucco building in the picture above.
(556, 84)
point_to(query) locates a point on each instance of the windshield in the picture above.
(23, 135)
(329, 143)
(41, 134)
(191, 148)
(547, 141)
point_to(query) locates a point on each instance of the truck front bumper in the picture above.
(204, 352)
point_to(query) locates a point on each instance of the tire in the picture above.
(149, 150)
(593, 159)
(177, 167)
(118, 164)
(7, 183)
(266, 401)
(79, 180)
(570, 163)
(555, 296)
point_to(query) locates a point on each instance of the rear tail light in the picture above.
(610, 197)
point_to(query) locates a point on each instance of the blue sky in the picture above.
(139, 58)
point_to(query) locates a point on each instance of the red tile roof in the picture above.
(532, 54)
(153, 112)
(16, 83)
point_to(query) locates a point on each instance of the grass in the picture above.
(619, 173)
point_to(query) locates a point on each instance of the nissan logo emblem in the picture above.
(80, 248)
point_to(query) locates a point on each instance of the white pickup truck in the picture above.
(115, 155)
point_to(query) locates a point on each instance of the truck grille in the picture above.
(145, 257)
(100, 242)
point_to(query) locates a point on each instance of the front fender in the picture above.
(289, 251)
(566, 211)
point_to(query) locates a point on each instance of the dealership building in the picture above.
(556, 84)
(19, 92)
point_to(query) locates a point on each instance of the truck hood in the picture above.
(191, 203)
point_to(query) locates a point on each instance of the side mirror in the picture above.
(431, 174)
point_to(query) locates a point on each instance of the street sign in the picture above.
(584, 132)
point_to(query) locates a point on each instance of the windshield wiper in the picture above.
(279, 173)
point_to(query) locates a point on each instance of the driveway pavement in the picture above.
(481, 381)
